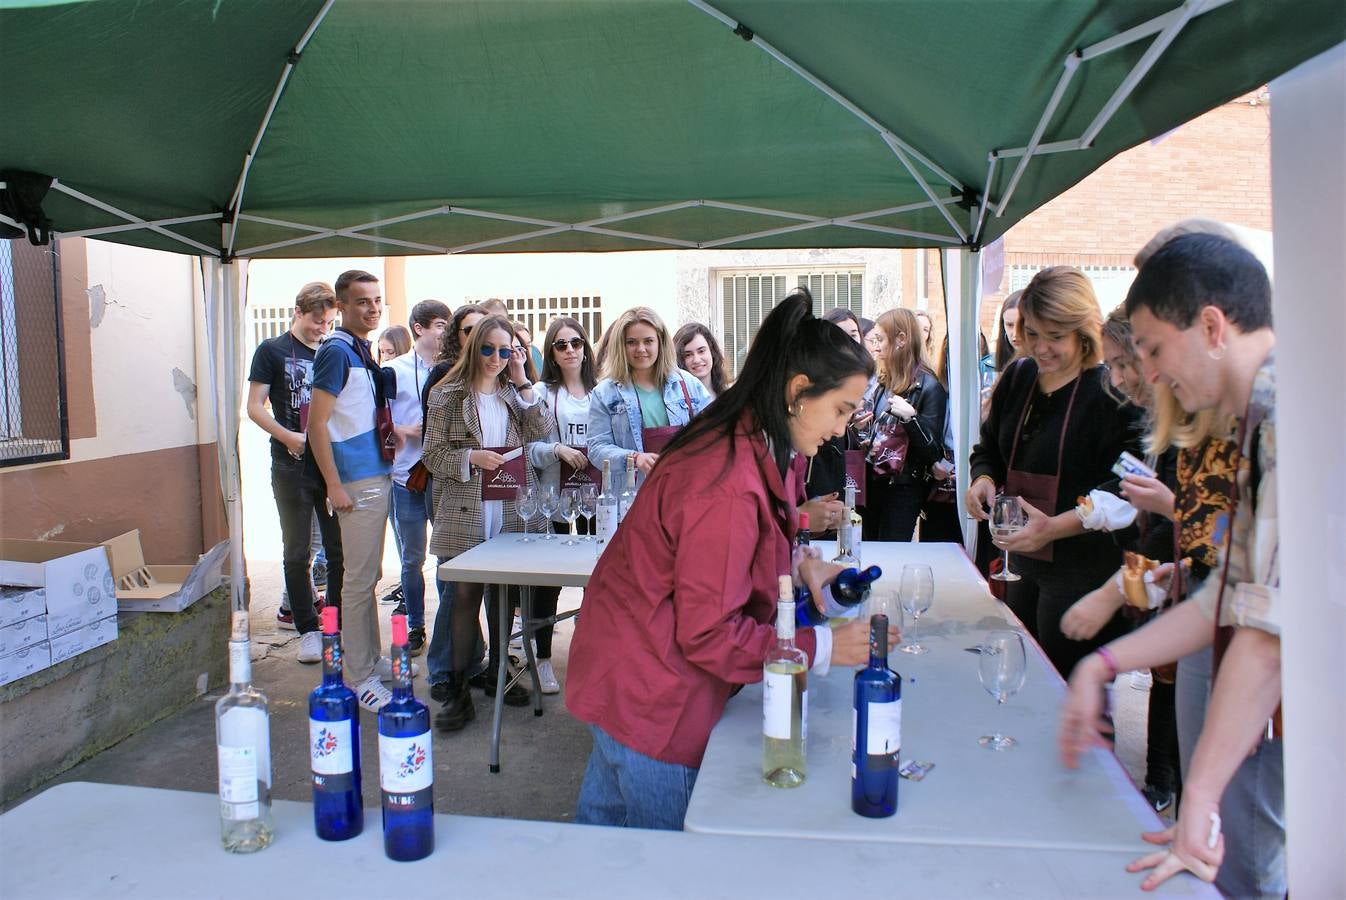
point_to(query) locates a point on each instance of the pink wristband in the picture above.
(1108, 660)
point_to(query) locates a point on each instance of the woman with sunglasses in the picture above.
(567, 380)
(644, 397)
(484, 401)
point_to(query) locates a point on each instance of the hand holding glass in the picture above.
(1007, 518)
(1002, 668)
(918, 592)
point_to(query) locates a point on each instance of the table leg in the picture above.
(502, 657)
(526, 616)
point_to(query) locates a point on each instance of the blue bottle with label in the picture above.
(845, 593)
(877, 741)
(334, 744)
(406, 770)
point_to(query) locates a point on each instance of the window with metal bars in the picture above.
(746, 296)
(1110, 282)
(537, 313)
(33, 424)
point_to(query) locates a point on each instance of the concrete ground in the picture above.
(542, 759)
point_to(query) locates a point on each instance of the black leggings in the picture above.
(545, 598)
(891, 509)
(466, 618)
(1047, 590)
(1163, 767)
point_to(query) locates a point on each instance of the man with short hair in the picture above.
(1200, 311)
(282, 371)
(348, 385)
(411, 510)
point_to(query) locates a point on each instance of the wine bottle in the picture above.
(334, 744)
(876, 741)
(629, 490)
(243, 750)
(606, 508)
(406, 773)
(802, 536)
(848, 533)
(785, 699)
(841, 598)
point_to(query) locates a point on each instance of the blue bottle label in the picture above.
(406, 772)
(334, 784)
(329, 747)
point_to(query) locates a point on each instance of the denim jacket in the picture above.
(615, 423)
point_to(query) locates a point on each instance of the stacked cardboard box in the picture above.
(56, 600)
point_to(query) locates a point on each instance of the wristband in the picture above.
(1108, 660)
(522, 387)
(980, 477)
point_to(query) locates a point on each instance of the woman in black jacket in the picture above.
(908, 404)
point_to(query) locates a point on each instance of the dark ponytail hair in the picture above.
(789, 342)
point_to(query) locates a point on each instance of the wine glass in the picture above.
(570, 510)
(548, 500)
(1002, 668)
(588, 506)
(1007, 517)
(526, 503)
(918, 592)
(883, 601)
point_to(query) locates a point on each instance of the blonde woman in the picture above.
(1053, 432)
(914, 400)
(484, 401)
(643, 396)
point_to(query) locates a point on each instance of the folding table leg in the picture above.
(526, 614)
(502, 656)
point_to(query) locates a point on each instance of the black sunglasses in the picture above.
(465, 329)
(574, 344)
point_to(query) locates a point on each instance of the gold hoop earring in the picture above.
(795, 410)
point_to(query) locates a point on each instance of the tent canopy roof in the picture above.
(545, 125)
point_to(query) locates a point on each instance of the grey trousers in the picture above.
(1252, 810)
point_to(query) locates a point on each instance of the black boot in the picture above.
(458, 709)
(516, 695)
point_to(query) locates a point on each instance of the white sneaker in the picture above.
(310, 647)
(372, 694)
(547, 677)
(384, 669)
(516, 639)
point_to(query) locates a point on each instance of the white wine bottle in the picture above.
(785, 699)
(606, 509)
(848, 533)
(627, 498)
(243, 750)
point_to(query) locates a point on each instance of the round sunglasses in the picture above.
(505, 352)
(574, 344)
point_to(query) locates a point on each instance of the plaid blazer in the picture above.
(452, 431)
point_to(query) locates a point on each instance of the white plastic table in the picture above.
(111, 841)
(1021, 797)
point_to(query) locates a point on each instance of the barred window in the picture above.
(745, 297)
(33, 424)
(537, 312)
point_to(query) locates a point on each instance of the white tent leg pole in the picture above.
(962, 286)
(1308, 172)
(224, 286)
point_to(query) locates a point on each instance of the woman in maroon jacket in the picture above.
(679, 611)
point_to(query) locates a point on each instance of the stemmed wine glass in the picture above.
(547, 502)
(918, 592)
(1002, 670)
(526, 503)
(570, 509)
(1007, 517)
(588, 506)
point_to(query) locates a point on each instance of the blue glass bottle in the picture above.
(877, 741)
(406, 771)
(334, 744)
(848, 591)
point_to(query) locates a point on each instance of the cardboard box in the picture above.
(77, 579)
(148, 588)
(23, 634)
(83, 639)
(20, 663)
(19, 603)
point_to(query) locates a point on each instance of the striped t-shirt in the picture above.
(340, 370)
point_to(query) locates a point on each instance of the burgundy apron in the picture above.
(1039, 490)
(656, 439)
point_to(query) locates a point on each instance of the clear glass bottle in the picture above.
(785, 699)
(334, 744)
(606, 509)
(629, 490)
(876, 741)
(848, 533)
(406, 770)
(243, 751)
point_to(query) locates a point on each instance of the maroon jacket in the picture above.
(680, 608)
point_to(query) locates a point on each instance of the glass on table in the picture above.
(1002, 666)
(1007, 518)
(588, 506)
(548, 500)
(527, 505)
(883, 601)
(570, 510)
(917, 589)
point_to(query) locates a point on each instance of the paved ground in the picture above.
(542, 758)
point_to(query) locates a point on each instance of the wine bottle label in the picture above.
(607, 521)
(247, 726)
(776, 690)
(885, 728)
(404, 763)
(804, 718)
(238, 782)
(856, 532)
(329, 747)
(240, 662)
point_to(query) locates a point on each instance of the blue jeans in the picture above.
(626, 788)
(439, 656)
(411, 514)
(1252, 810)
